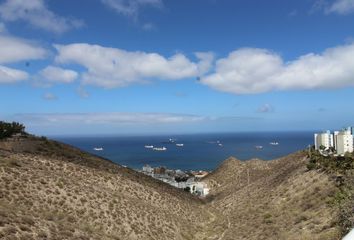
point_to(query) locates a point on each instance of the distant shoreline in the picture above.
(103, 135)
(199, 151)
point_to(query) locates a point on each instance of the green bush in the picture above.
(338, 164)
(342, 170)
(311, 165)
(9, 129)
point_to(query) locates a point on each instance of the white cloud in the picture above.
(106, 118)
(36, 13)
(15, 49)
(53, 74)
(251, 70)
(10, 75)
(112, 67)
(342, 7)
(49, 96)
(131, 8)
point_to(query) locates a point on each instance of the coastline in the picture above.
(197, 153)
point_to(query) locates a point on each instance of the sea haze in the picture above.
(200, 151)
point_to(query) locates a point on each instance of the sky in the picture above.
(142, 67)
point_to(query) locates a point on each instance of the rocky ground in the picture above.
(50, 190)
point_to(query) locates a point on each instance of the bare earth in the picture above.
(50, 190)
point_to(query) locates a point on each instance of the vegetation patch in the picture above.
(341, 169)
(9, 129)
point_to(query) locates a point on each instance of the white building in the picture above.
(349, 236)
(147, 169)
(343, 141)
(199, 188)
(324, 139)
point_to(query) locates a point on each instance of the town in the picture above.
(338, 144)
(188, 181)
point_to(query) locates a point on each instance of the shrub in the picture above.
(330, 163)
(311, 165)
(9, 129)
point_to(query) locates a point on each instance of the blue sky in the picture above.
(158, 66)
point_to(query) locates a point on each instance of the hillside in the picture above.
(281, 197)
(53, 191)
(49, 190)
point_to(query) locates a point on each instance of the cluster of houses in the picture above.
(338, 142)
(189, 181)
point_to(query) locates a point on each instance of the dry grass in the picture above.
(53, 191)
(280, 197)
(51, 197)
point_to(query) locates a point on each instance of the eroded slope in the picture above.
(53, 191)
(277, 199)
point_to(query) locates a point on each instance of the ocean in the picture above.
(200, 151)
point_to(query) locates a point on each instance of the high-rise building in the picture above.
(343, 141)
(324, 139)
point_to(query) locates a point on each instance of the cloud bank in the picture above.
(36, 13)
(253, 70)
(106, 118)
(113, 67)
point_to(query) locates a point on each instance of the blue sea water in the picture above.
(200, 151)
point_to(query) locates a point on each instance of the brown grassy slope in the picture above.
(279, 200)
(52, 191)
